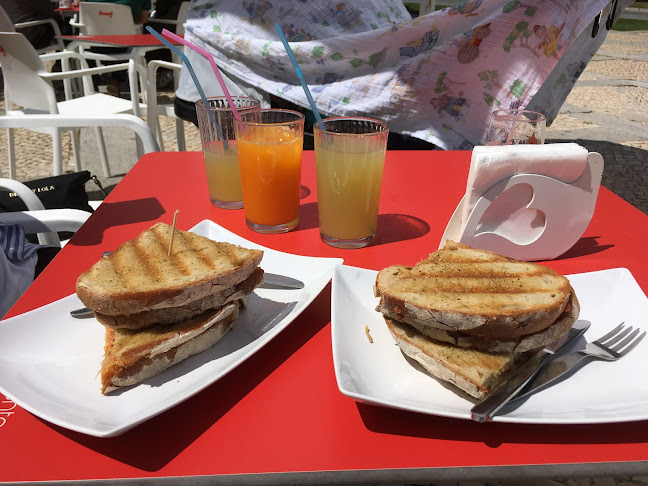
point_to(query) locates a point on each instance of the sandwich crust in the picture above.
(140, 276)
(474, 372)
(131, 357)
(518, 344)
(169, 315)
(476, 292)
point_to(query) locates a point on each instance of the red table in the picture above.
(69, 11)
(280, 413)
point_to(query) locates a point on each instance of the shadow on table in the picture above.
(153, 444)
(493, 434)
(584, 246)
(126, 212)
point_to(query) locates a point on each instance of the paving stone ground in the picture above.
(606, 112)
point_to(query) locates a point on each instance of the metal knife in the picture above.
(555, 369)
(270, 281)
(488, 406)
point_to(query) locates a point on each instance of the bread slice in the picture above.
(131, 357)
(474, 372)
(169, 315)
(477, 292)
(139, 276)
(520, 344)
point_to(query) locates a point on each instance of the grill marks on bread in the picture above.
(140, 275)
(475, 282)
(143, 262)
(468, 316)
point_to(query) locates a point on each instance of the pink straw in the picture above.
(209, 57)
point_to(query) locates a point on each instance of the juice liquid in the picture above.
(270, 165)
(348, 190)
(223, 176)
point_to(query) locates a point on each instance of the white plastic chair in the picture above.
(6, 25)
(97, 18)
(155, 110)
(46, 222)
(179, 22)
(29, 85)
(38, 220)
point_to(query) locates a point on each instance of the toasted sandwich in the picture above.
(140, 276)
(159, 309)
(472, 371)
(131, 357)
(462, 301)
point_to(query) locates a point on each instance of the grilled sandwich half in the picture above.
(139, 276)
(462, 301)
(158, 309)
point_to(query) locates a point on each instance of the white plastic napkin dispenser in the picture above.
(528, 216)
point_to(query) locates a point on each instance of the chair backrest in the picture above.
(106, 19)
(182, 17)
(6, 25)
(21, 67)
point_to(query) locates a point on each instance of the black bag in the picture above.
(66, 191)
(58, 192)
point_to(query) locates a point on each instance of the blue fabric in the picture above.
(17, 264)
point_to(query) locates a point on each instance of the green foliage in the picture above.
(509, 7)
(336, 56)
(491, 100)
(517, 88)
(489, 78)
(626, 25)
(317, 51)
(356, 62)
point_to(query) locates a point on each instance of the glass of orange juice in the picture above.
(219, 148)
(349, 160)
(270, 143)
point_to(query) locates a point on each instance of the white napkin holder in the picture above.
(550, 216)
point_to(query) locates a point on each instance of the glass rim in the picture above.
(209, 98)
(385, 128)
(300, 118)
(520, 111)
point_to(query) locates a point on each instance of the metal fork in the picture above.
(614, 345)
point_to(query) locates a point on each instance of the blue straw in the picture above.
(212, 117)
(320, 123)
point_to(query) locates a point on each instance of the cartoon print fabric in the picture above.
(436, 77)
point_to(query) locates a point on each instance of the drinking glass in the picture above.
(219, 148)
(270, 143)
(349, 158)
(512, 127)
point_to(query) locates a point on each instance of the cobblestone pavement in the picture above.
(606, 112)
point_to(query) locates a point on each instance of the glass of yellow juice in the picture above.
(349, 159)
(270, 144)
(216, 126)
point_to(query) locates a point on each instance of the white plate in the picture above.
(599, 392)
(49, 361)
